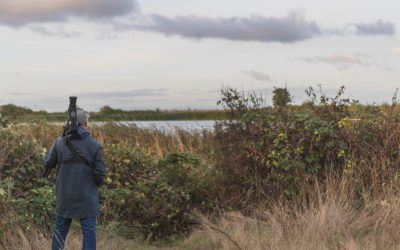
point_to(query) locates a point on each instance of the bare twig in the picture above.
(226, 235)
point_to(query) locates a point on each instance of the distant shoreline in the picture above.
(22, 114)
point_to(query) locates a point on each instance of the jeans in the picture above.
(88, 226)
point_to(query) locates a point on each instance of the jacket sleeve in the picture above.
(51, 159)
(99, 168)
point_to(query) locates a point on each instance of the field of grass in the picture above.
(321, 176)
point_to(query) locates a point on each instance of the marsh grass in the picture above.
(36, 240)
(153, 141)
(327, 219)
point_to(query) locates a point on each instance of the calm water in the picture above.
(169, 126)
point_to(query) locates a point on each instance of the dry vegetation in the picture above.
(328, 221)
(323, 177)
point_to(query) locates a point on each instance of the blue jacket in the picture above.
(77, 185)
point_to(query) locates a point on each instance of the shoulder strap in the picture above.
(76, 154)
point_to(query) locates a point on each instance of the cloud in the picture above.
(258, 75)
(23, 12)
(292, 28)
(126, 94)
(375, 28)
(287, 29)
(342, 60)
(60, 32)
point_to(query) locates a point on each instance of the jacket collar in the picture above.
(83, 132)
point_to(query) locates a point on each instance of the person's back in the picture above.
(81, 170)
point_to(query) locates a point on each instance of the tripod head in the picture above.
(72, 116)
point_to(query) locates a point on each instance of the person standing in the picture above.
(81, 171)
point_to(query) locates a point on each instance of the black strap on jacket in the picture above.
(76, 154)
(81, 159)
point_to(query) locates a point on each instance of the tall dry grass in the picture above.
(19, 239)
(154, 142)
(15, 237)
(328, 218)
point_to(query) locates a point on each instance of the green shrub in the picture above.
(265, 152)
(154, 197)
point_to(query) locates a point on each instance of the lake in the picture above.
(169, 126)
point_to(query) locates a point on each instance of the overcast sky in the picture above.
(178, 53)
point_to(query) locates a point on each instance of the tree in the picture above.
(106, 110)
(14, 110)
(281, 97)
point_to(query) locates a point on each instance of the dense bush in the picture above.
(20, 183)
(154, 196)
(265, 152)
